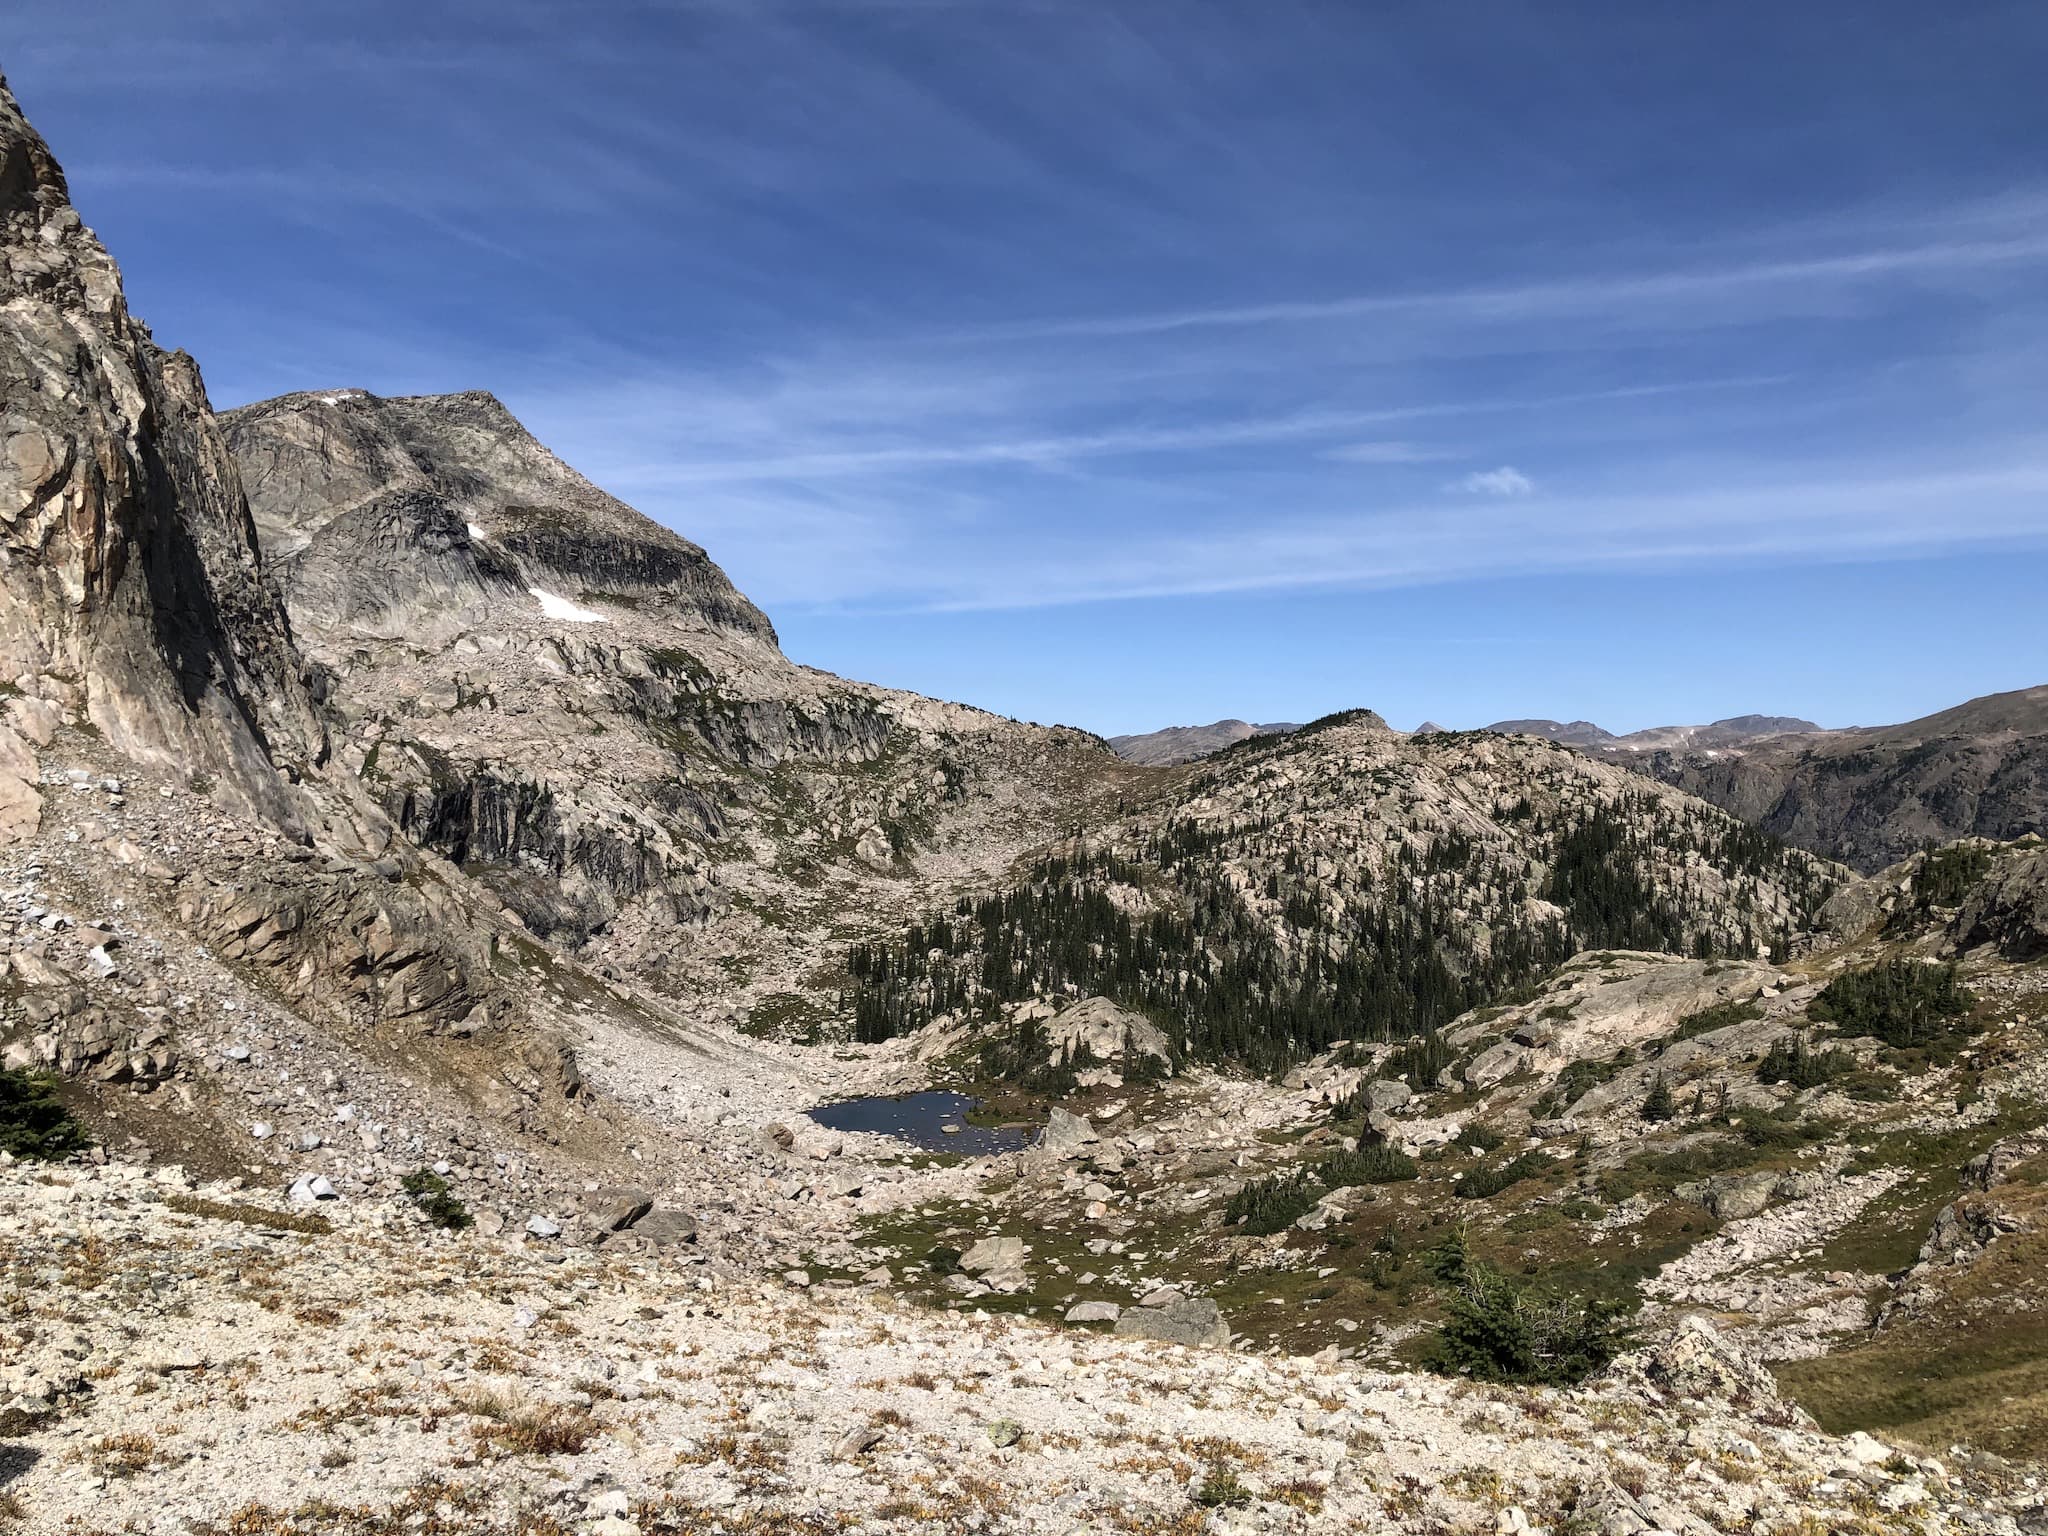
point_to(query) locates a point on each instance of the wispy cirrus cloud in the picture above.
(1505, 481)
(1851, 519)
(919, 306)
(1768, 284)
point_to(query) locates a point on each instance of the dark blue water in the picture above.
(917, 1118)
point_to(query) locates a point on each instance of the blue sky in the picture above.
(1129, 364)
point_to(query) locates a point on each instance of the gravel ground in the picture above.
(205, 1370)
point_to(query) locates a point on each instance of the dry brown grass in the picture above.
(250, 1215)
(538, 1429)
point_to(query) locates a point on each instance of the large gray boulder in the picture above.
(664, 1228)
(1066, 1135)
(1195, 1321)
(993, 1253)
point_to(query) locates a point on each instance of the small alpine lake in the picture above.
(922, 1119)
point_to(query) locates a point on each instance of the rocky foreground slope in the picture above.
(183, 1361)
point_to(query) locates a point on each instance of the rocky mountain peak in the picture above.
(322, 466)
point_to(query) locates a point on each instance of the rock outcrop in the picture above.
(2008, 910)
(574, 705)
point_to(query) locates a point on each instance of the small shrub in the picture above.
(1481, 1138)
(1375, 1162)
(538, 1429)
(34, 1122)
(1791, 1060)
(1222, 1490)
(1484, 1183)
(1868, 1086)
(1498, 1330)
(1659, 1106)
(1782, 1130)
(250, 1215)
(430, 1193)
(1272, 1205)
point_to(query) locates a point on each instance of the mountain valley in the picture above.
(431, 904)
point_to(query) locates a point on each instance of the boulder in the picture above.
(993, 1253)
(1106, 1032)
(1094, 1312)
(615, 1210)
(1496, 1064)
(664, 1228)
(1065, 1135)
(1382, 1096)
(1739, 1199)
(1196, 1322)
(1697, 1360)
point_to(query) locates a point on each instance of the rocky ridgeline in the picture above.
(184, 1359)
(337, 480)
(1349, 881)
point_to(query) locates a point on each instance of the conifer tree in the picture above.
(1659, 1107)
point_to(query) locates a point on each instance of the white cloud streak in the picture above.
(1505, 481)
(1572, 296)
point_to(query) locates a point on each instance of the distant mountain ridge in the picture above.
(1734, 731)
(1871, 795)
(1186, 743)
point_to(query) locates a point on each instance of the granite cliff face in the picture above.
(136, 593)
(164, 746)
